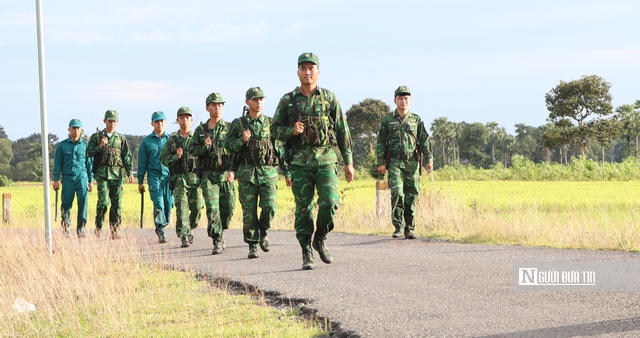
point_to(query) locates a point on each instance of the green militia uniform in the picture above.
(111, 166)
(257, 174)
(214, 164)
(313, 163)
(186, 184)
(403, 171)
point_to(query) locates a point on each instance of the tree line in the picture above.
(581, 122)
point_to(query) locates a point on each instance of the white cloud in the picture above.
(17, 19)
(225, 31)
(132, 90)
(297, 26)
(156, 35)
(78, 36)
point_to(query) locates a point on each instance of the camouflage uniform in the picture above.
(215, 162)
(72, 163)
(256, 174)
(403, 177)
(157, 177)
(313, 161)
(186, 184)
(111, 166)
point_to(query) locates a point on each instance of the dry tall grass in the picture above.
(100, 288)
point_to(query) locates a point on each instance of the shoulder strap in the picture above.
(296, 110)
(406, 127)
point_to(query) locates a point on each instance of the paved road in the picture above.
(384, 287)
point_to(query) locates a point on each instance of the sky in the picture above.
(472, 61)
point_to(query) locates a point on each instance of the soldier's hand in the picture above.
(207, 142)
(429, 168)
(287, 180)
(141, 188)
(90, 187)
(130, 178)
(382, 170)
(56, 185)
(298, 128)
(179, 152)
(231, 176)
(349, 172)
(103, 142)
(246, 135)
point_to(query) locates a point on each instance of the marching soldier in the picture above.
(184, 180)
(249, 138)
(214, 164)
(310, 120)
(112, 164)
(157, 174)
(402, 143)
(72, 163)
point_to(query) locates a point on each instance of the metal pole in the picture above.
(43, 127)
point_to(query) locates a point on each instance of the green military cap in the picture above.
(184, 111)
(308, 57)
(75, 123)
(254, 92)
(158, 116)
(215, 98)
(111, 115)
(402, 90)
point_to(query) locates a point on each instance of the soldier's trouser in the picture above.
(188, 203)
(304, 181)
(109, 192)
(71, 188)
(404, 184)
(220, 201)
(249, 193)
(162, 199)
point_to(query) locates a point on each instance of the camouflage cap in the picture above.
(75, 123)
(111, 115)
(214, 98)
(158, 116)
(308, 57)
(402, 90)
(184, 111)
(254, 92)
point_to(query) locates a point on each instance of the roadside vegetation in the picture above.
(94, 288)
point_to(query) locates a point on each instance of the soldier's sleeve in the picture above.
(143, 159)
(88, 164)
(425, 142)
(127, 160)
(93, 148)
(282, 164)
(197, 147)
(168, 157)
(280, 128)
(343, 134)
(57, 163)
(381, 143)
(233, 142)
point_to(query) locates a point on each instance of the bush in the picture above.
(4, 181)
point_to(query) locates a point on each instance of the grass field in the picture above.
(107, 292)
(593, 215)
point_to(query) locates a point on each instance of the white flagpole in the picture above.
(43, 126)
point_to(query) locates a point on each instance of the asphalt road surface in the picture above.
(384, 287)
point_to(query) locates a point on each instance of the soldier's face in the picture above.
(184, 121)
(403, 101)
(74, 133)
(215, 109)
(111, 125)
(158, 126)
(256, 104)
(308, 73)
